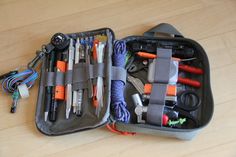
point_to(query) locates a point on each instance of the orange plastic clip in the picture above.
(60, 90)
(171, 89)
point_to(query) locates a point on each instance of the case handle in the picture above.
(164, 29)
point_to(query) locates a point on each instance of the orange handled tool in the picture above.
(60, 90)
(95, 100)
(191, 69)
(171, 89)
(146, 55)
(95, 59)
(151, 56)
(190, 82)
(95, 44)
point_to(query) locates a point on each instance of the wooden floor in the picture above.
(27, 24)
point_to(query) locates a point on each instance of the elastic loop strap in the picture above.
(118, 73)
(162, 67)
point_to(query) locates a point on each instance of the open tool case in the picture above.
(174, 45)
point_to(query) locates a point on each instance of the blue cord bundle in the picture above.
(117, 87)
(27, 77)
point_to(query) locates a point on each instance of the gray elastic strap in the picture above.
(50, 79)
(159, 87)
(82, 85)
(54, 79)
(96, 70)
(118, 73)
(60, 79)
(158, 93)
(154, 114)
(79, 74)
(156, 104)
(69, 77)
(164, 53)
(162, 67)
(83, 71)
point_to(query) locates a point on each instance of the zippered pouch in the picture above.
(147, 84)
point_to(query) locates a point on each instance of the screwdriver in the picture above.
(75, 93)
(94, 56)
(69, 86)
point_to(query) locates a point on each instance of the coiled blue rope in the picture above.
(27, 77)
(117, 86)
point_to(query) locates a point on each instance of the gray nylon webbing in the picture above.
(159, 87)
(162, 67)
(81, 73)
(118, 73)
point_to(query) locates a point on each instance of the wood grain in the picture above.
(26, 24)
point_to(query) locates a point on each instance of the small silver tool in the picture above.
(69, 86)
(139, 109)
(75, 93)
(137, 83)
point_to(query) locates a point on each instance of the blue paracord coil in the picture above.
(121, 113)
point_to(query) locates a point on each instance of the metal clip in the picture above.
(39, 56)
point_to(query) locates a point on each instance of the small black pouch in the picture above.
(83, 72)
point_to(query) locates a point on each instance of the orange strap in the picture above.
(113, 129)
(171, 89)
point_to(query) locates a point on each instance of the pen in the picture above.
(69, 86)
(49, 89)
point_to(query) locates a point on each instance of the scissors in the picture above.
(187, 102)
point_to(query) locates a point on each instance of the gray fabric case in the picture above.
(89, 121)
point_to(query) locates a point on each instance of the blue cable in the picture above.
(118, 103)
(27, 77)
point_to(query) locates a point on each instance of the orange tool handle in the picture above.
(95, 42)
(60, 90)
(189, 82)
(191, 69)
(146, 55)
(61, 66)
(151, 56)
(95, 100)
(171, 89)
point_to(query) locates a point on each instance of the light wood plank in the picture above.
(27, 141)
(22, 13)
(30, 38)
